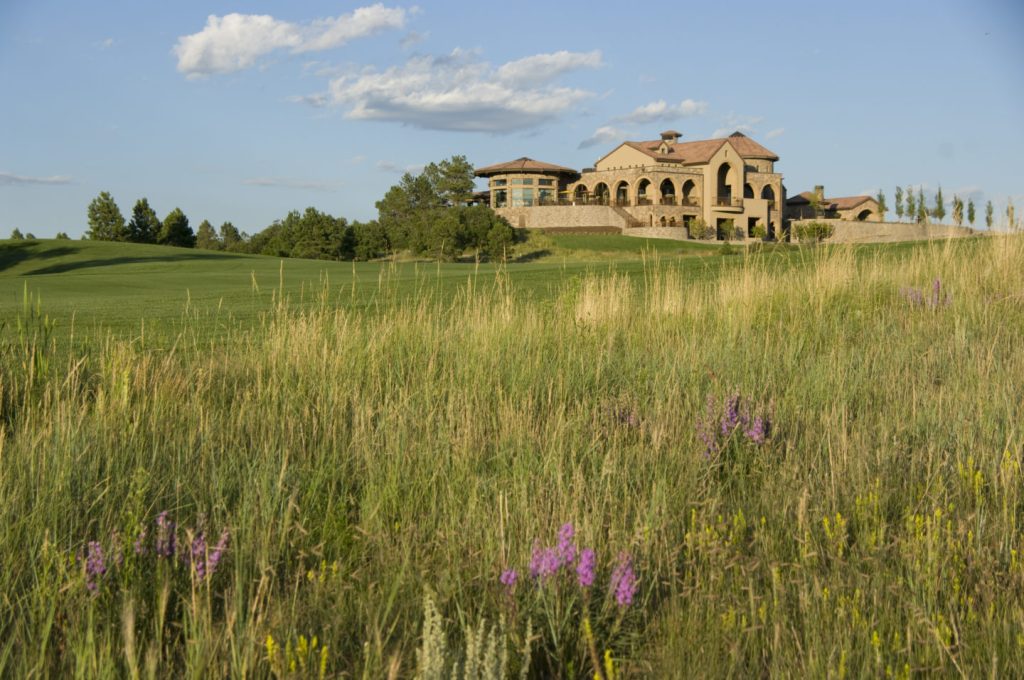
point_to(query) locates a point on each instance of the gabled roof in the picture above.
(837, 203)
(703, 150)
(524, 164)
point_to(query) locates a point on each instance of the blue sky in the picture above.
(243, 111)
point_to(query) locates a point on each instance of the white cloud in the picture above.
(603, 135)
(106, 44)
(236, 41)
(543, 68)
(734, 123)
(388, 166)
(287, 183)
(772, 134)
(662, 110)
(412, 38)
(317, 100)
(460, 92)
(9, 179)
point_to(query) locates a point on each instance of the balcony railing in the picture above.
(643, 200)
(727, 202)
(667, 200)
(689, 202)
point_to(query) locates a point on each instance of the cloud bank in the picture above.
(461, 92)
(663, 111)
(236, 41)
(9, 179)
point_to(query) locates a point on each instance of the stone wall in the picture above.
(562, 216)
(670, 233)
(880, 232)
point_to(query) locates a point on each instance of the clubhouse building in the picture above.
(727, 185)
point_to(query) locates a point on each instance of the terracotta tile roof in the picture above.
(701, 151)
(837, 203)
(524, 164)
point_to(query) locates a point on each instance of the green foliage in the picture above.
(958, 210)
(814, 232)
(62, 236)
(939, 211)
(911, 204)
(882, 207)
(988, 214)
(16, 235)
(206, 237)
(701, 230)
(144, 227)
(451, 180)
(899, 203)
(106, 223)
(760, 232)
(230, 238)
(311, 235)
(970, 211)
(922, 209)
(728, 230)
(176, 231)
(370, 241)
(30, 236)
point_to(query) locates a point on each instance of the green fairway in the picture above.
(98, 287)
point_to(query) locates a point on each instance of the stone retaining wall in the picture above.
(559, 216)
(881, 232)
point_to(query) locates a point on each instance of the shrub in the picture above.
(761, 232)
(814, 232)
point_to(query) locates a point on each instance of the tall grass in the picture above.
(377, 473)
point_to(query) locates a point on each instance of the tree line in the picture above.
(428, 214)
(914, 207)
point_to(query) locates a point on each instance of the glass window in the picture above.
(546, 182)
(522, 198)
(545, 196)
(499, 182)
(500, 198)
(521, 180)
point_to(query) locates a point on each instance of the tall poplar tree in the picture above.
(970, 211)
(911, 205)
(958, 210)
(922, 209)
(939, 211)
(899, 203)
(882, 207)
(988, 214)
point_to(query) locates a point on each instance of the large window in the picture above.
(546, 182)
(545, 196)
(499, 182)
(500, 198)
(528, 181)
(522, 198)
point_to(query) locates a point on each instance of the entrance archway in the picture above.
(864, 215)
(601, 194)
(724, 185)
(689, 187)
(641, 192)
(581, 195)
(622, 193)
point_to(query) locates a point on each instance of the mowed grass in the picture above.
(96, 288)
(373, 473)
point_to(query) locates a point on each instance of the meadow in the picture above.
(804, 463)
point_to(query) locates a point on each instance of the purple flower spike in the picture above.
(509, 578)
(140, 543)
(623, 583)
(759, 431)
(586, 568)
(95, 566)
(198, 555)
(217, 553)
(544, 563)
(166, 537)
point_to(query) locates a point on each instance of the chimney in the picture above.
(670, 136)
(819, 191)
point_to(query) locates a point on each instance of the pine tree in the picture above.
(911, 204)
(939, 211)
(922, 209)
(988, 214)
(206, 237)
(106, 223)
(176, 231)
(899, 203)
(144, 226)
(62, 236)
(970, 211)
(958, 211)
(16, 235)
(882, 207)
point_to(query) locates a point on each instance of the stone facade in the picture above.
(847, 231)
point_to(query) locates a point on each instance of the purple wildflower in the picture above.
(166, 537)
(509, 578)
(586, 567)
(759, 430)
(623, 583)
(95, 566)
(197, 555)
(217, 553)
(140, 543)
(544, 562)
(732, 417)
(566, 548)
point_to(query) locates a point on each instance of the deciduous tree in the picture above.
(970, 211)
(882, 207)
(922, 209)
(230, 237)
(899, 203)
(988, 214)
(16, 235)
(911, 205)
(176, 232)
(939, 211)
(958, 211)
(206, 237)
